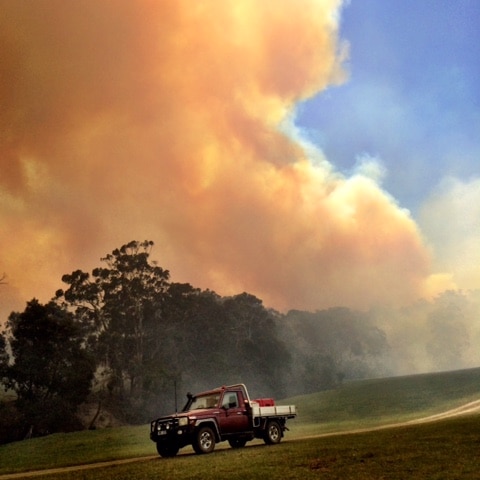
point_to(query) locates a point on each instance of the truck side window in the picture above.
(230, 400)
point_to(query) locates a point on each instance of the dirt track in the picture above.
(468, 408)
(471, 407)
(36, 473)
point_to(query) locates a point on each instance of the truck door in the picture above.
(233, 414)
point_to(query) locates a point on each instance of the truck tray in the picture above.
(279, 411)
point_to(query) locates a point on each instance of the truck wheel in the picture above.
(273, 433)
(204, 441)
(237, 442)
(167, 450)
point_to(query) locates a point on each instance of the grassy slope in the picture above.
(446, 450)
(356, 405)
(374, 402)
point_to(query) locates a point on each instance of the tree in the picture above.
(192, 337)
(121, 305)
(259, 355)
(51, 372)
(330, 345)
(4, 357)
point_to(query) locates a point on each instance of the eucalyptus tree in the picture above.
(46, 365)
(260, 354)
(121, 307)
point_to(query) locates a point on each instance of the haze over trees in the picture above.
(125, 337)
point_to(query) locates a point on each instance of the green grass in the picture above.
(356, 405)
(446, 450)
(62, 449)
(368, 403)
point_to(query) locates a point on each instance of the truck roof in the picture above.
(238, 386)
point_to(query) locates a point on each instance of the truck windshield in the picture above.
(205, 401)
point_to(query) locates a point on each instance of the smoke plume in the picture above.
(168, 121)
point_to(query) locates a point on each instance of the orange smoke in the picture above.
(156, 120)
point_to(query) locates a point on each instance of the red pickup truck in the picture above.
(224, 413)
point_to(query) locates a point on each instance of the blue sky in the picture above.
(412, 99)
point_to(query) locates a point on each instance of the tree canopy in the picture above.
(148, 333)
(51, 372)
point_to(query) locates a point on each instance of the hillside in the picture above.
(366, 403)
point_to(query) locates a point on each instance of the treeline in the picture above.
(125, 337)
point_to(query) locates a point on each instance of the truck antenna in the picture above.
(175, 393)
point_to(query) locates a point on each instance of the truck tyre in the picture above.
(204, 441)
(273, 433)
(167, 450)
(237, 442)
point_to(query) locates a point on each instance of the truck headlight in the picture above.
(182, 421)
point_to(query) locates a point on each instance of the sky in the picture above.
(320, 156)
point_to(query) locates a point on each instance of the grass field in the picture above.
(441, 450)
(444, 450)
(368, 403)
